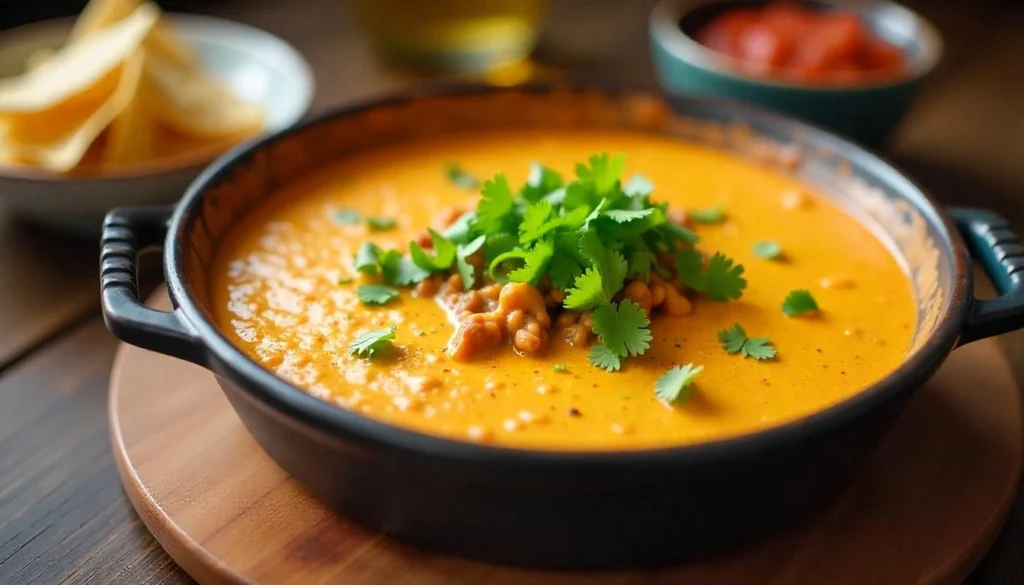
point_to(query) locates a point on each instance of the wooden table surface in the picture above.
(63, 515)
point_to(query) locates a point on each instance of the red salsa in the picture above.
(790, 41)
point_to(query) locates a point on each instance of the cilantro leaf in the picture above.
(542, 181)
(638, 186)
(566, 263)
(724, 280)
(498, 244)
(534, 263)
(376, 294)
(347, 216)
(587, 291)
(768, 250)
(464, 268)
(535, 222)
(594, 214)
(400, 270)
(627, 215)
(623, 328)
(734, 340)
(603, 171)
(460, 177)
(459, 230)
(440, 260)
(759, 348)
(495, 207)
(602, 357)
(720, 279)
(675, 384)
(799, 302)
(707, 216)
(690, 269)
(366, 258)
(625, 224)
(371, 342)
(640, 261)
(563, 270)
(609, 263)
(581, 194)
(673, 232)
(381, 223)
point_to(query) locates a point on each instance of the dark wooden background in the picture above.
(63, 515)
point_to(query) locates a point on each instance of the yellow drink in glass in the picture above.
(454, 34)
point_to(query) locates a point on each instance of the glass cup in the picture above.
(460, 35)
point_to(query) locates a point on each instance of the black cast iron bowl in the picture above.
(560, 509)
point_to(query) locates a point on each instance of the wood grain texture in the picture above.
(924, 510)
(63, 514)
(46, 283)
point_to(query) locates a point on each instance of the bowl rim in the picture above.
(188, 26)
(418, 448)
(664, 29)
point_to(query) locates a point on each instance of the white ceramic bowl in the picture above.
(257, 65)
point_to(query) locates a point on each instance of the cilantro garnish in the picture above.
(441, 259)
(370, 343)
(603, 171)
(458, 231)
(622, 328)
(535, 222)
(708, 216)
(496, 206)
(720, 279)
(638, 186)
(734, 340)
(460, 177)
(376, 294)
(366, 258)
(675, 384)
(581, 239)
(541, 182)
(674, 232)
(535, 263)
(587, 291)
(380, 223)
(559, 368)
(400, 270)
(604, 358)
(347, 216)
(799, 302)
(768, 250)
(462, 265)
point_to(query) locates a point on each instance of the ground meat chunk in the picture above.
(519, 314)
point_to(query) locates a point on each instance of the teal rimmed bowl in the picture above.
(865, 111)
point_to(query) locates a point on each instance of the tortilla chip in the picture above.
(38, 58)
(163, 41)
(77, 68)
(54, 123)
(199, 105)
(64, 152)
(132, 136)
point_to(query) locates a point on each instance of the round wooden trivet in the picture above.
(924, 510)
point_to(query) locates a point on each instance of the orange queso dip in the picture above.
(510, 364)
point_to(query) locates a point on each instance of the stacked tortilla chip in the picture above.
(124, 89)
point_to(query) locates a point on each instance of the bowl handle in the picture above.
(999, 250)
(127, 232)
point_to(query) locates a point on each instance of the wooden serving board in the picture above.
(925, 509)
